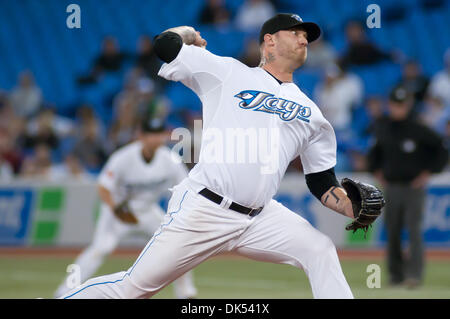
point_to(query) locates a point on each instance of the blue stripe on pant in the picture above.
(139, 258)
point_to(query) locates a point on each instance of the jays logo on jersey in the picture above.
(267, 102)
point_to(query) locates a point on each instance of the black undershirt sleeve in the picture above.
(319, 183)
(167, 45)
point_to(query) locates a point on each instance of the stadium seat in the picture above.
(58, 55)
(307, 80)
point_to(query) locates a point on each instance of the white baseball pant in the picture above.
(108, 233)
(195, 229)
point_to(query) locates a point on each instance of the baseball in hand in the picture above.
(190, 36)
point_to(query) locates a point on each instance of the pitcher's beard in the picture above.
(303, 57)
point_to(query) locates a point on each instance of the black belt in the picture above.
(252, 212)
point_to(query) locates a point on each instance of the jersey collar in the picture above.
(279, 81)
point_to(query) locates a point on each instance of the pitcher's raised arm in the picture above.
(187, 60)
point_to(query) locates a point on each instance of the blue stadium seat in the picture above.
(378, 79)
(307, 80)
(234, 5)
(369, 77)
(388, 76)
(182, 98)
(110, 83)
(224, 42)
(33, 36)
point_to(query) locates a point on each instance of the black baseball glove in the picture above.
(124, 213)
(367, 202)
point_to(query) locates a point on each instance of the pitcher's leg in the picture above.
(184, 287)
(113, 286)
(164, 259)
(188, 236)
(279, 235)
(106, 237)
(154, 268)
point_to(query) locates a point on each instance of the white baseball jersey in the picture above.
(127, 176)
(278, 121)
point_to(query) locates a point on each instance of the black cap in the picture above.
(284, 21)
(153, 125)
(399, 95)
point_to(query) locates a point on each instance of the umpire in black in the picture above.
(402, 159)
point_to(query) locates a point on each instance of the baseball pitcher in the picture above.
(226, 204)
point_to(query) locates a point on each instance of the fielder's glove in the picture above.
(367, 202)
(123, 212)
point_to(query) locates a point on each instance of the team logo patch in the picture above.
(297, 17)
(267, 102)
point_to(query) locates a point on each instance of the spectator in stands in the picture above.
(130, 88)
(9, 155)
(360, 50)
(123, 129)
(140, 91)
(215, 12)
(295, 166)
(41, 131)
(362, 131)
(447, 142)
(337, 95)
(9, 120)
(6, 168)
(70, 170)
(3, 98)
(375, 111)
(364, 119)
(60, 125)
(89, 147)
(253, 13)
(402, 159)
(147, 60)
(12, 130)
(110, 59)
(252, 55)
(84, 114)
(321, 55)
(39, 164)
(148, 102)
(440, 82)
(415, 82)
(358, 159)
(435, 115)
(26, 97)
(6, 171)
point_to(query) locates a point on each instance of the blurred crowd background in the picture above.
(70, 97)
